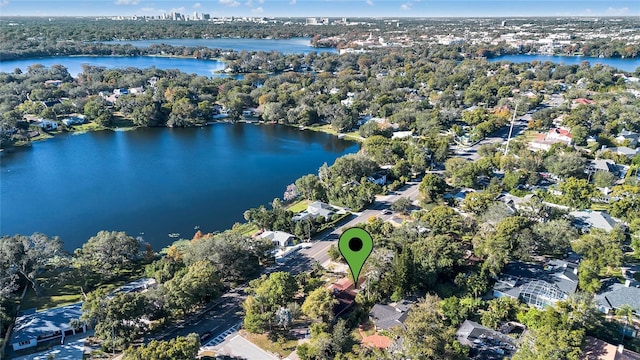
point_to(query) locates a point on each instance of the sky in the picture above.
(329, 8)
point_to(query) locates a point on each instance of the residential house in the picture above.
(401, 134)
(50, 103)
(596, 349)
(485, 343)
(343, 290)
(553, 136)
(120, 91)
(581, 101)
(74, 120)
(136, 90)
(385, 316)
(631, 136)
(614, 294)
(315, 210)
(56, 83)
(588, 219)
(605, 165)
(536, 284)
(623, 150)
(279, 238)
(140, 285)
(32, 328)
(379, 178)
(47, 124)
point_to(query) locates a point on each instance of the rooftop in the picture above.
(34, 325)
(485, 343)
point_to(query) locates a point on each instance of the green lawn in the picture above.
(57, 294)
(283, 348)
(353, 135)
(299, 206)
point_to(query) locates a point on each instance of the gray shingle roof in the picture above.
(614, 295)
(387, 316)
(485, 343)
(44, 323)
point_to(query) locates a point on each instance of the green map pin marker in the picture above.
(355, 245)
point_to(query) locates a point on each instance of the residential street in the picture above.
(227, 311)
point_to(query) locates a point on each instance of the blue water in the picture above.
(155, 180)
(74, 63)
(622, 64)
(300, 45)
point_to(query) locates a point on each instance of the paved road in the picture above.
(227, 311)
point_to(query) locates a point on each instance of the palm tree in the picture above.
(625, 312)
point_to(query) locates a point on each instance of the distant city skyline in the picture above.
(324, 8)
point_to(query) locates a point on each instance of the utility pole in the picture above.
(513, 119)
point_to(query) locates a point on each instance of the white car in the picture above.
(386, 212)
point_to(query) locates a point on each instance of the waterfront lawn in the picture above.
(299, 206)
(119, 121)
(68, 291)
(245, 229)
(352, 135)
(90, 126)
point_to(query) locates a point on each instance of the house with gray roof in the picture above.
(387, 316)
(632, 136)
(536, 284)
(605, 165)
(279, 238)
(588, 219)
(315, 210)
(485, 343)
(32, 328)
(623, 150)
(614, 294)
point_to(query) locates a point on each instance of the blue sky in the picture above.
(333, 8)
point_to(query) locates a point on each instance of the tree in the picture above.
(499, 310)
(119, 319)
(426, 336)
(319, 305)
(625, 312)
(402, 205)
(432, 187)
(97, 110)
(310, 187)
(434, 256)
(276, 290)
(555, 236)
(291, 193)
(443, 220)
(179, 348)
(273, 112)
(568, 164)
(576, 193)
(200, 283)
(604, 179)
(108, 252)
(26, 256)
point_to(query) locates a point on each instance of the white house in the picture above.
(279, 238)
(32, 328)
(553, 136)
(314, 210)
(47, 124)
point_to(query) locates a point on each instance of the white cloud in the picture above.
(293, 2)
(617, 11)
(249, 3)
(178, 10)
(258, 10)
(232, 3)
(4, 2)
(197, 5)
(370, 2)
(260, 1)
(127, 2)
(406, 6)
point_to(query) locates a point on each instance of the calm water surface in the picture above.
(301, 45)
(622, 64)
(157, 181)
(74, 64)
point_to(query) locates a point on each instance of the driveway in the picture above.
(72, 349)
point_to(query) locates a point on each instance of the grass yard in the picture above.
(299, 206)
(352, 135)
(56, 295)
(90, 126)
(283, 348)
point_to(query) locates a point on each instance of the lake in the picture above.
(300, 45)
(155, 181)
(74, 63)
(622, 64)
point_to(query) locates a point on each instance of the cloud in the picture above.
(232, 3)
(370, 2)
(4, 2)
(258, 10)
(152, 10)
(178, 10)
(197, 5)
(293, 2)
(617, 11)
(260, 1)
(406, 6)
(127, 2)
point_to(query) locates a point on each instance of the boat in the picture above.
(174, 235)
